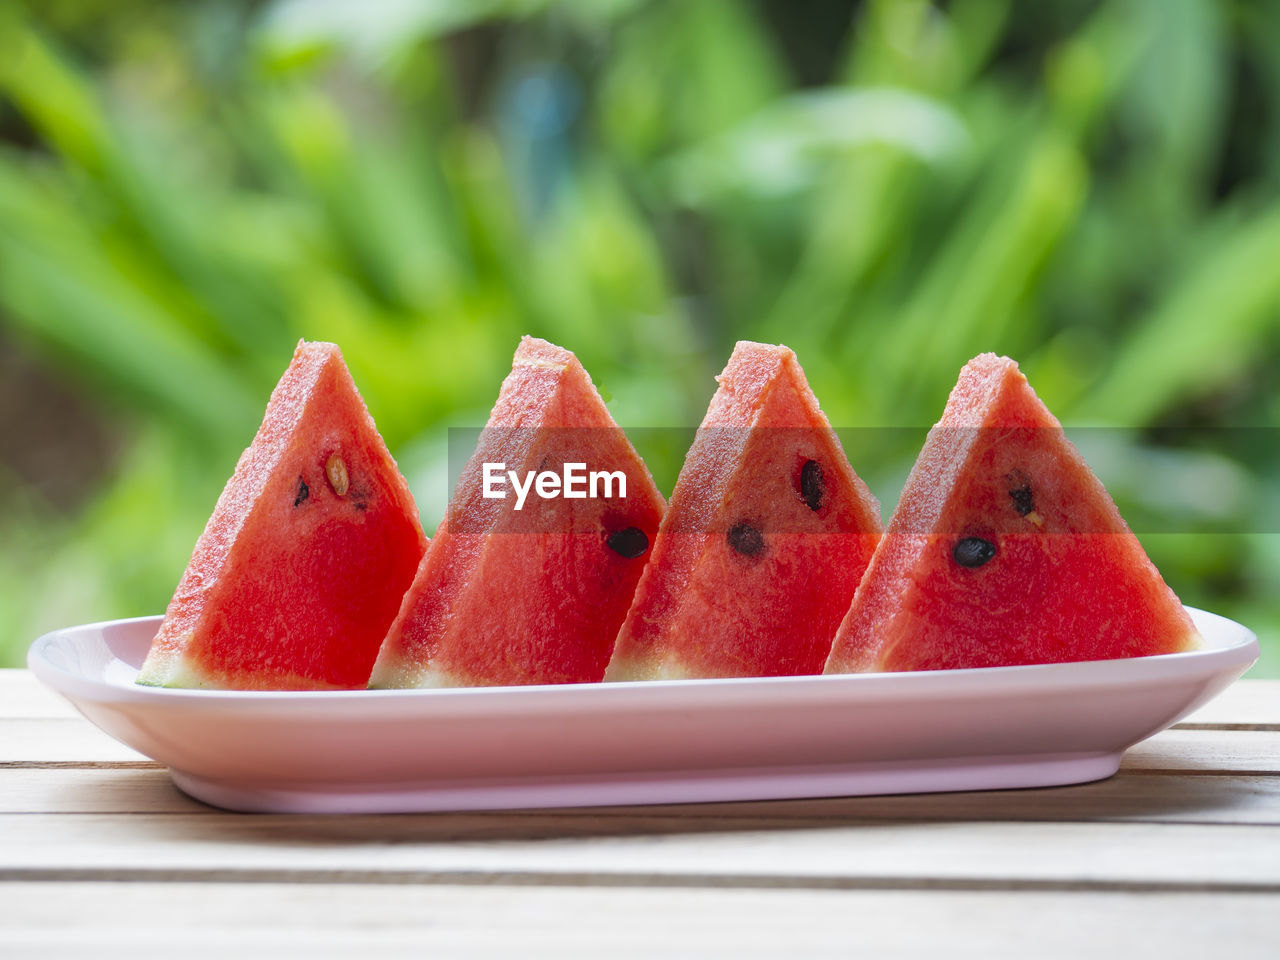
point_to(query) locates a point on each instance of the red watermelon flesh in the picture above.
(768, 533)
(1005, 549)
(535, 595)
(313, 542)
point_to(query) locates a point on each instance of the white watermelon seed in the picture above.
(336, 471)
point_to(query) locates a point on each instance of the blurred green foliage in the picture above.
(889, 188)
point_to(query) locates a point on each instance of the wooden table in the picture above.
(1177, 855)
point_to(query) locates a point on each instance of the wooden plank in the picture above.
(208, 920)
(1183, 776)
(1244, 704)
(102, 789)
(1138, 796)
(1208, 752)
(22, 695)
(577, 849)
(51, 740)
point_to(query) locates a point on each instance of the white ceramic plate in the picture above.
(663, 742)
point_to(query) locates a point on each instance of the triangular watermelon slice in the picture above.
(313, 542)
(528, 592)
(768, 533)
(1005, 549)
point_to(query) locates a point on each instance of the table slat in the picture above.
(198, 919)
(641, 850)
(1137, 796)
(60, 740)
(22, 695)
(1246, 703)
(1207, 752)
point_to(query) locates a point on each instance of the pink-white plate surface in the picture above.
(663, 742)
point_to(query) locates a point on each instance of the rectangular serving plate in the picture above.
(680, 741)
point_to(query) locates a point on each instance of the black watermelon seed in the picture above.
(812, 486)
(746, 539)
(630, 542)
(1023, 502)
(973, 551)
(303, 492)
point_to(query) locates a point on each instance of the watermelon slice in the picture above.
(1005, 549)
(313, 542)
(768, 533)
(514, 592)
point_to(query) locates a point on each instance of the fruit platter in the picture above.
(569, 637)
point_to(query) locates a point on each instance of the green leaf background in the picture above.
(887, 187)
